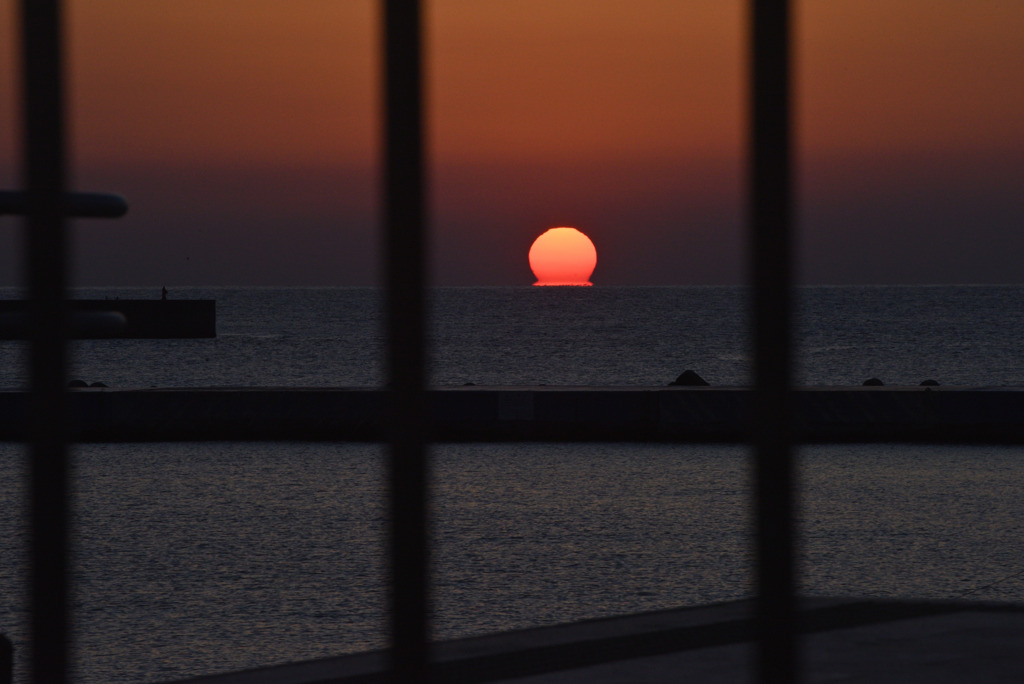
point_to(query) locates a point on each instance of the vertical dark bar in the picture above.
(6, 660)
(44, 173)
(771, 204)
(406, 277)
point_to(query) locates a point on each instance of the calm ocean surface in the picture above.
(200, 558)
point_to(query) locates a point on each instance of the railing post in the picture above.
(405, 228)
(771, 270)
(46, 267)
(6, 660)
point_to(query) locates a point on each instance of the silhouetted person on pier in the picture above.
(163, 293)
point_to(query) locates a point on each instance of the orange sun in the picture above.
(563, 256)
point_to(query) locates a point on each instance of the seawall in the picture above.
(634, 414)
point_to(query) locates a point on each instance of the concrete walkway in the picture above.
(845, 640)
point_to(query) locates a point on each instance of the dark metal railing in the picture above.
(771, 268)
(405, 230)
(44, 176)
(404, 219)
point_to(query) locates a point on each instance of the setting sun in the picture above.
(563, 256)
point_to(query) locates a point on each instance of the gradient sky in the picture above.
(244, 134)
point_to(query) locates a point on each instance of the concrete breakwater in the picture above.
(637, 414)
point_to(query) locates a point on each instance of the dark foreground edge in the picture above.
(564, 648)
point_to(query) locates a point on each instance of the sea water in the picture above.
(203, 558)
(596, 336)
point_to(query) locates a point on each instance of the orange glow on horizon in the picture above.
(266, 84)
(563, 256)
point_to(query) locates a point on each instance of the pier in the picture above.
(122, 318)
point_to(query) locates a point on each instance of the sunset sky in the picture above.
(244, 135)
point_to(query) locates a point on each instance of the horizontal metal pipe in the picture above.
(75, 204)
